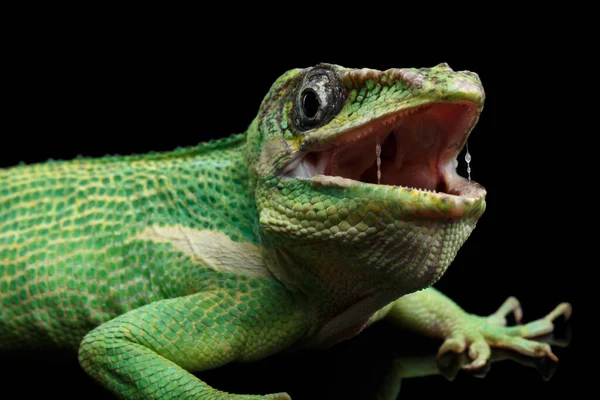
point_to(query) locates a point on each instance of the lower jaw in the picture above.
(464, 199)
(448, 185)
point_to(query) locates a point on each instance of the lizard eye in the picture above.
(319, 99)
(310, 103)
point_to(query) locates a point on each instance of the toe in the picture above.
(563, 309)
(510, 306)
(532, 329)
(528, 347)
(479, 352)
(456, 344)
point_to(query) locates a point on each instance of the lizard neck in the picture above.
(208, 188)
(340, 300)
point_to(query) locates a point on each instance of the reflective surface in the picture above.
(79, 95)
(382, 363)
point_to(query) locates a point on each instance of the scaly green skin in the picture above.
(161, 264)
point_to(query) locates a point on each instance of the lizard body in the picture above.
(158, 265)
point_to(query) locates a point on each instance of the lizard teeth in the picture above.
(303, 168)
(293, 164)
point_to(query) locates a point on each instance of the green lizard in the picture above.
(338, 207)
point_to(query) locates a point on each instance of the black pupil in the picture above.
(310, 103)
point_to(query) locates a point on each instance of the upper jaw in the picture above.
(418, 151)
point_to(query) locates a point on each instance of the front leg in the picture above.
(428, 365)
(148, 352)
(433, 314)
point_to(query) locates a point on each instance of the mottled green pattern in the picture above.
(69, 258)
(193, 333)
(334, 236)
(158, 265)
(355, 244)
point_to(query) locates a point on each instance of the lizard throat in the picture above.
(418, 150)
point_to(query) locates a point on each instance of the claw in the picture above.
(541, 326)
(456, 344)
(551, 355)
(510, 305)
(544, 349)
(563, 309)
(528, 347)
(477, 334)
(480, 352)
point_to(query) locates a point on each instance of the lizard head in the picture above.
(323, 197)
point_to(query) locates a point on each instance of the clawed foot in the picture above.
(450, 364)
(477, 335)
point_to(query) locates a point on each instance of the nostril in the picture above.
(444, 66)
(470, 73)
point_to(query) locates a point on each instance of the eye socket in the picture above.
(310, 103)
(319, 98)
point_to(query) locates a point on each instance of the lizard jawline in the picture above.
(419, 147)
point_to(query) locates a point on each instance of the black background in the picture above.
(80, 90)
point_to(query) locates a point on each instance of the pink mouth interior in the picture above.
(415, 148)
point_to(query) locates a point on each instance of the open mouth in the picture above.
(414, 148)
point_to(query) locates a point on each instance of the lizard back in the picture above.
(81, 240)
